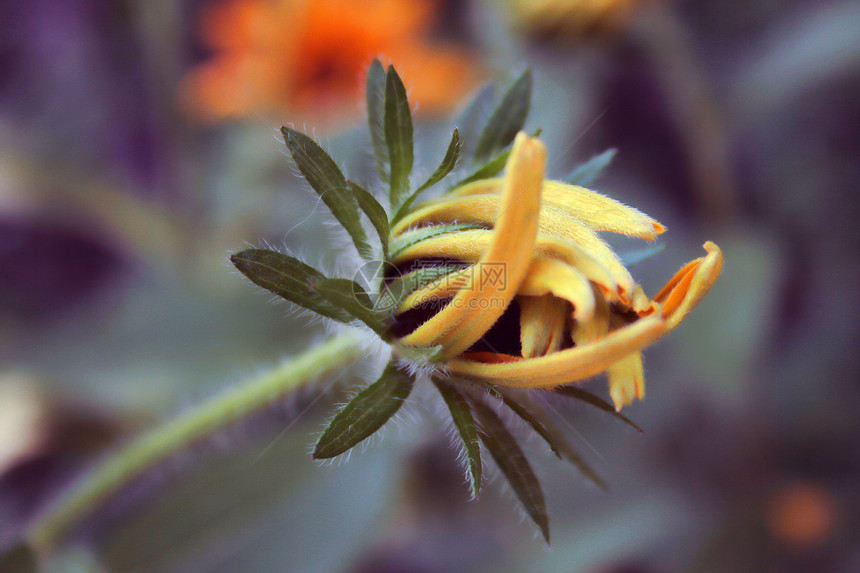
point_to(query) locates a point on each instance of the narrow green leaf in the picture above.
(507, 119)
(365, 413)
(18, 559)
(461, 415)
(288, 278)
(490, 169)
(406, 240)
(375, 98)
(546, 428)
(350, 296)
(513, 463)
(325, 177)
(398, 136)
(586, 173)
(473, 116)
(529, 416)
(375, 213)
(589, 398)
(448, 163)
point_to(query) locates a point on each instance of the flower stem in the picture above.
(177, 434)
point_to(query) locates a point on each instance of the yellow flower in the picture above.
(535, 298)
(499, 282)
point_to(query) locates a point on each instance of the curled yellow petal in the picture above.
(467, 317)
(689, 285)
(542, 324)
(549, 276)
(568, 365)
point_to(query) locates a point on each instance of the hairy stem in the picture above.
(177, 434)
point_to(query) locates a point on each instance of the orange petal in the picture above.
(689, 285)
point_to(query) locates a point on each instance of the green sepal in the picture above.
(507, 119)
(351, 297)
(586, 173)
(398, 136)
(512, 463)
(425, 354)
(325, 177)
(366, 413)
(448, 164)
(490, 169)
(375, 99)
(410, 238)
(589, 398)
(529, 417)
(555, 437)
(632, 258)
(375, 213)
(288, 278)
(405, 285)
(464, 421)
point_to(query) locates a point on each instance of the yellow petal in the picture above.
(542, 324)
(640, 303)
(549, 276)
(598, 211)
(602, 213)
(470, 247)
(466, 246)
(626, 380)
(689, 285)
(483, 210)
(556, 220)
(568, 365)
(586, 331)
(467, 317)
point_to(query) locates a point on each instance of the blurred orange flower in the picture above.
(307, 58)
